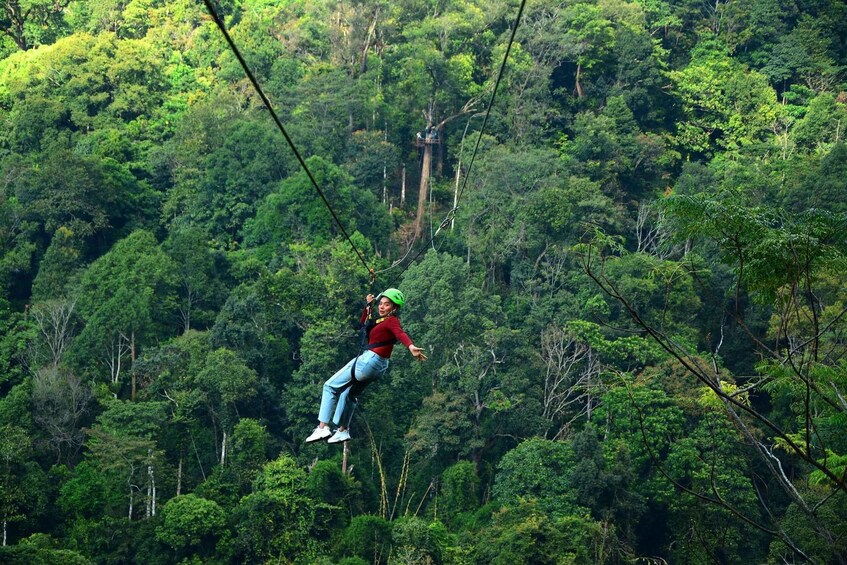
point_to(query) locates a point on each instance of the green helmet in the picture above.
(394, 296)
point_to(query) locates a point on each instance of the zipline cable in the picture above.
(452, 213)
(219, 22)
(491, 101)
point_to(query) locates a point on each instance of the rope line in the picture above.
(267, 103)
(452, 213)
(491, 102)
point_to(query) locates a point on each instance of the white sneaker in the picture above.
(319, 434)
(339, 436)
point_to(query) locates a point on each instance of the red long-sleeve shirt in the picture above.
(386, 329)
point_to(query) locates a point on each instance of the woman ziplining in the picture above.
(341, 391)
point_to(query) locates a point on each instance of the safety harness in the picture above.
(357, 386)
(369, 325)
(365, 330)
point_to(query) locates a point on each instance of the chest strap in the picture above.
(378, 344)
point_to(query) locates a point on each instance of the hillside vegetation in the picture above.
(630, 283)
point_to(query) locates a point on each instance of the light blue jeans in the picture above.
(336, 391)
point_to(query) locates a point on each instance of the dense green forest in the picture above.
(635, 309)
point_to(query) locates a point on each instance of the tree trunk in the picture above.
(54, 320)
(403, 186)
(223, 450)
(15, 31)
(363, 61)
(439, 164)
(456, 192)
(578, 85)
(150, 506)
(179, 476)
(186, 311)
(423, 191)
(153, 488)
(132, 359)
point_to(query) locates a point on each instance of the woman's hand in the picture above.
(369, 298)
(417, 352)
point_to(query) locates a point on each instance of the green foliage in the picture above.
(126, 299)
(619, 352)
(609, 149)
(413, 538)
(60, 405)
(806, 53)
(247, 324)
(709, 464)
(201, 290)
(28, 555)
(249, 445)
(205, 192)
(632, 413)
(191, 526)
(823, 187)
(639, 77)
(15, 333)
(89, 494)
(725, 104)
(603, 483)
(503, 201)
(459, 490)
(277, 518)
(821, 126)
(58, 266)
(525, 534)
(22, 483)
(589, 37)
(79, 197)
(433, 67)
(538, 470)
(766, 247)
(136, 539)
(225, 383)
(122, 449)
(31, 22)
(338, 496)
(663, 292)
(367, 537)
(98, 81)
(295, 213)
(471, 388)
(370, 158)
(807, 533)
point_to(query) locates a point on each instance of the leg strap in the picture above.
(356, 386)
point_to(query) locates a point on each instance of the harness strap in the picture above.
(353, 370)
(378, 344)
(357, 385)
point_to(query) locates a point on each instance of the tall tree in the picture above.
(588, 39)
(191, 526)
(29, 22)
(715, 92)
(201, 289)
(123, 447)
(125, 298)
